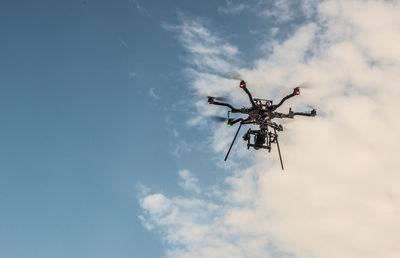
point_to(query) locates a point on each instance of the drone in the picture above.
(261, 113)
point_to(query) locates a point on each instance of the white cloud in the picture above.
(309, 7)
(153, 94)
(156, 203)
(279, 11)
(232, 8)
(175, 133)
(210, 50)
(179, 147)
(142, 10)
(339, 194)
(189, 181)
(282, 10)
(143, 190)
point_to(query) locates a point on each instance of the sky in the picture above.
(107, 149)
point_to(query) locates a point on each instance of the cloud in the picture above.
(153, 94)
(179, 147)
(232, 8)
(339, 194)
(189, 181)
(132, 75)
(142, 10)
(278, 11)
(281, 10)
(211, 51)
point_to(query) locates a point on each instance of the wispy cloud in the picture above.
(211, 50)
(342, 168)
(189, 181)
(140, 8)
(180, 146)
(280, 11)
(210, 56)
(132, 75)
(153, 94)
(233, 8)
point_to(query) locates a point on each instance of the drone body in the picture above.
(261, 113)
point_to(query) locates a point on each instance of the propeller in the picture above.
(283, 124)
(233, 75)
(219, 119)
(222, 98)
(306, 85)
(312, 106)
(313, 109)
(201, 96)
(286, 121)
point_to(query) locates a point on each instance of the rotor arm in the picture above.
(250, 97)
(243, 86)
(282, 115)
(241, 120)
(234, 121)
(274, 125)
(291, 114)
(311, 113)
(233, 110)
(296, 91)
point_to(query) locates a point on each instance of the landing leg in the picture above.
(279, 150)
(234, 138)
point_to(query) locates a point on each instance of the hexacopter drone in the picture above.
(261, 113)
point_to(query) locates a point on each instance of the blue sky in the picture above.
(99, 156)
(80, 129)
